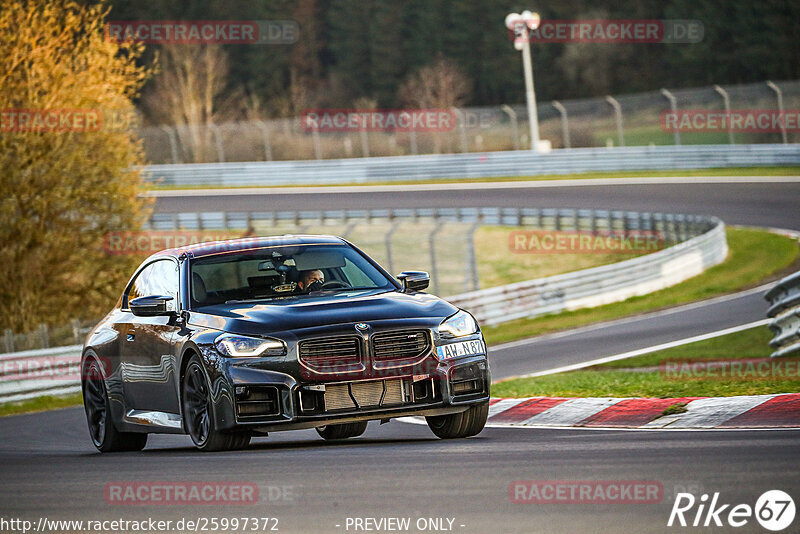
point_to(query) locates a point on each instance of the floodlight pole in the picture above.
(530, 94)
(521, 25)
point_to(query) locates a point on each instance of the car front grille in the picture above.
(331, 353)
(366, 394)
(400, 345)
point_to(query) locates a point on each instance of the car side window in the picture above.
(158, 278)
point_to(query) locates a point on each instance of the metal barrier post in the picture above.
(564, 122)
(364, 143)
(727, 103)
(265, 136)
(412, 138)
(618, 115)
(432, 247)
(349, 229)
(471, 270)
(218, 141)
(317, 144)
(388, 240)
(673, 104)
(173, 143)
(782, 122)
(76, 330)
(462, 129)
(44, 335)
(8, 335)
(512, 115)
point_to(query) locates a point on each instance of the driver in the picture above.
(311, 280)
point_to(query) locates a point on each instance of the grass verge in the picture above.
(499, 265)
(646, 375)
(754, 255)
(49, 402)
(724, 171)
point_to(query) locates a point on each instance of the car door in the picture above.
(148, 360)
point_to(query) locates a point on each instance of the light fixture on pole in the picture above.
(521, 24)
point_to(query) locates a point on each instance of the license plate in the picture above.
(462, 348)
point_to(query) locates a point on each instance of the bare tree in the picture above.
(440, 84)
(190, 92)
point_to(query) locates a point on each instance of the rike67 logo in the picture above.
(774, 510)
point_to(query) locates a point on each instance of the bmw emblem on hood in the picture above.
(362, 326)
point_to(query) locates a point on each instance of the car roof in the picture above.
(210, 248)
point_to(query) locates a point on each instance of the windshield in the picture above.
(280, 272)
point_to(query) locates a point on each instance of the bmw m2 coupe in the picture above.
(228, 340)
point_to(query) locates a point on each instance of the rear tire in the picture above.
(343, 431)
(104, 434)
(460, 425)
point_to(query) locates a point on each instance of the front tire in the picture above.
(105, 436)
(464, 424)
(197, 414)
(343, 431)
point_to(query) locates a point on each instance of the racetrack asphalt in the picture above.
(48, 467)
(757, 204)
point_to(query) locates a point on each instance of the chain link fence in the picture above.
(627, 120)
(446, 242)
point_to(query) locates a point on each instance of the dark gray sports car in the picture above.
(233, 339)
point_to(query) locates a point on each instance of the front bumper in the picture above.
(265, 401)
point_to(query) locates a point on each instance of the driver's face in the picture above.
(314, 276)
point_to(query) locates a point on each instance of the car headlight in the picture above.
(248, 347)
(460, 324)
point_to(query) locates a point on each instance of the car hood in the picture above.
(295, 313)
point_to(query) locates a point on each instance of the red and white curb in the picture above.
(742, 412)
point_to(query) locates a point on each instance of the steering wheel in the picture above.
(333, 284)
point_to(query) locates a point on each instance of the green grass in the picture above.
(754, 255)
(678, 407)
(724, 171)
(40, 404)
(645, 135)
(499, 265)
(637, 377)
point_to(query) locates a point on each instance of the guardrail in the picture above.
(673, 228)
(784, 299)
(474, 165)
(52, 371)
(700, 244)
(598, 285)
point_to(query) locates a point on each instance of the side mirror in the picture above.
(414, 280)
(150, 306)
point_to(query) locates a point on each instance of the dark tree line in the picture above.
(365, 49)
